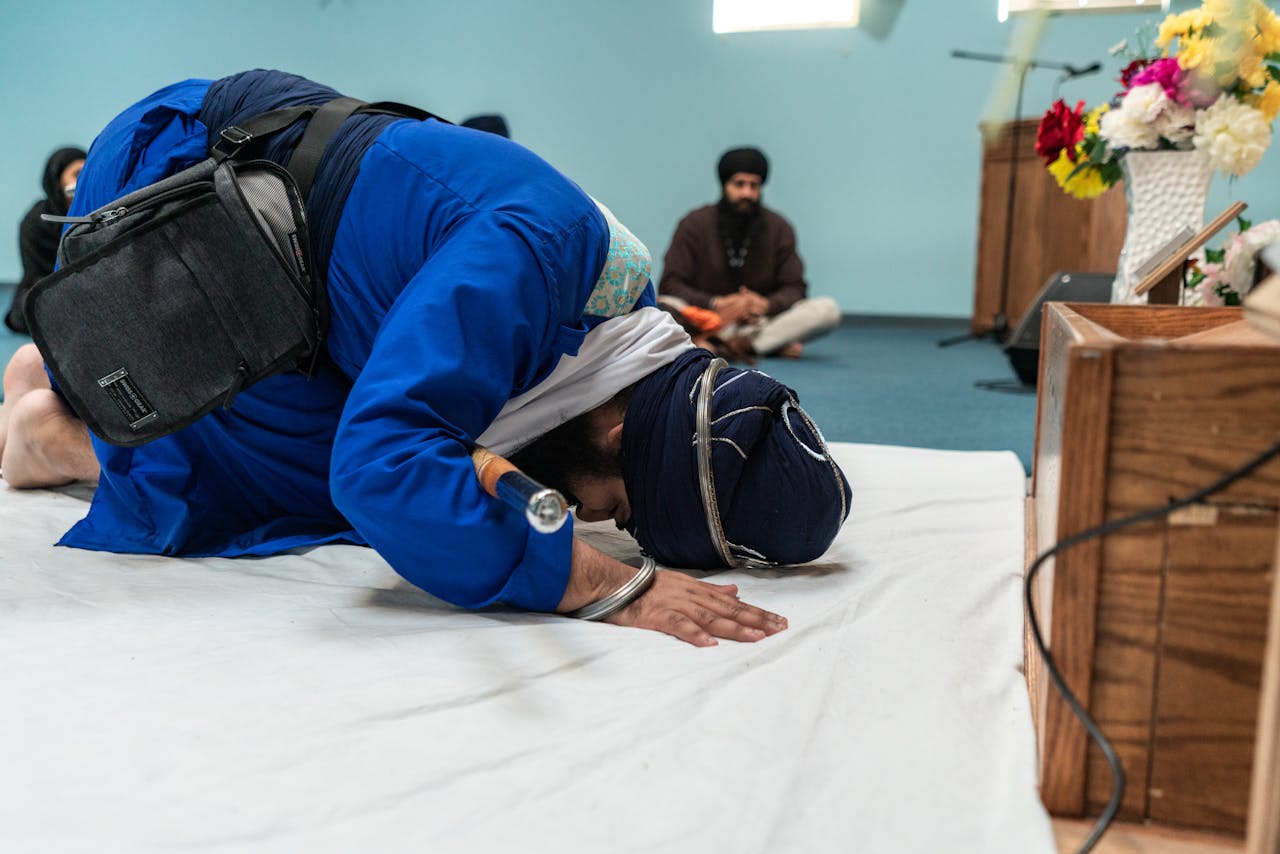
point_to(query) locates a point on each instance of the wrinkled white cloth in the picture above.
(314, 702)
(613, 355)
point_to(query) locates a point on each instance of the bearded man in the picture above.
(738, 259)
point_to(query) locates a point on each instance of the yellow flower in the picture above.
(1267, 101)
(1268, 24)
(1170, 28)
(1085, 184)
(1195, 53)
(1093, 118)
(1252, 71)
(1178, 26)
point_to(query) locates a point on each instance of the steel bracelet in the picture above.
(622, 597)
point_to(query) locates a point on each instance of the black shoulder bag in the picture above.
(172, 299)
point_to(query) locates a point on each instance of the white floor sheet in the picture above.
(315, 702)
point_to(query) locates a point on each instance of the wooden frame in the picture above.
(1264, 797)
(1159, 629)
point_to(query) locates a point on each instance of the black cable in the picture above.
(1090, 725)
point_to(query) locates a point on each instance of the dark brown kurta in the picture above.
(696, 268)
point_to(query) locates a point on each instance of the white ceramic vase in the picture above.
(1165, 192)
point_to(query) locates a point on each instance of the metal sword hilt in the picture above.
(544, 508)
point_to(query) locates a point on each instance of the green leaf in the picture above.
(1274, 71)
(1243, 224)
(1231, 298)
(1213, 30)
(1194, 279)
(1214, 256)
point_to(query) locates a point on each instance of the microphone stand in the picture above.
(1000, 324)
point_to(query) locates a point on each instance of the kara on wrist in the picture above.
(622, 597)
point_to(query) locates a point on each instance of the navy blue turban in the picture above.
(779, 495)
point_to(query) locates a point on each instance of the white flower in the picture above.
(1132, 124)
(1118, 48)
(1176, 124)
(1233, 134)
(1241, 257)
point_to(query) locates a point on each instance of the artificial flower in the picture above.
(1093, 119)
(1132, 124)
(1176, 26)
(1233, 134)
(1204, 292)
(1267, 101)
(1225, 276)
(1268, 25)
(1211, 83)
(1060, 130)
(1241, 257)
(1252, 71)
(1176, 124)
(1132, 70)
(1081, 180)
(1196, 53)
(1165, 72)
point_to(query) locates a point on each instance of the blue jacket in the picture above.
(459, 269)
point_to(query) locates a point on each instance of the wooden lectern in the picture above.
(1051, 230)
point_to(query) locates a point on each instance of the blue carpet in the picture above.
(884, 381)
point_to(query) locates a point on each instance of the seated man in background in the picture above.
(37, 239)
(738, 259)
(445, 324)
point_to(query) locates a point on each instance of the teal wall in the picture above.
(873, 141)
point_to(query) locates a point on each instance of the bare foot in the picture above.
(792, 350)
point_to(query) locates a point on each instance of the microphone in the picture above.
(1092, 68)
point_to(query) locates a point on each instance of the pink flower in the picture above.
(1169, 75)
(1132, 70)
(1204, 294)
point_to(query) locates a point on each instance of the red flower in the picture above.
(1131, 71)
(1060, 128)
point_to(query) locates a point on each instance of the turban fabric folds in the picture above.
(749, 160)
(778, 496)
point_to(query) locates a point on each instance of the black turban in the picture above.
(779, 495)
(490, 123)
(749, 160)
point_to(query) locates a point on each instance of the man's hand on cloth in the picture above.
(697, 612)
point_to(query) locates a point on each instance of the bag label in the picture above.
(128, 398)
(298, 257)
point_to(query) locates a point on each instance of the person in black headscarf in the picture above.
(738, 258)
(37, 239)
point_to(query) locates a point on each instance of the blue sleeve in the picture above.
(474, 323)
(153, 139)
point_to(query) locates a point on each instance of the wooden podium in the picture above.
(1051, 230)
(1160, 628)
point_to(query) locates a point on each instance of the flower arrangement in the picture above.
(1210, 81)
(1225, 275)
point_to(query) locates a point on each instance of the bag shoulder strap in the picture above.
(234, 137)
(323, 122)
(321, 127)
